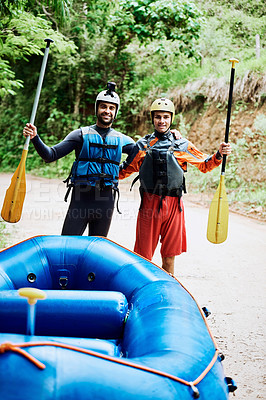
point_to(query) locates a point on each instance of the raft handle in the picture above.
(207, 312)
(232, 386)
(63, 281)
(91, 276)
(31, 278)
(63, 277)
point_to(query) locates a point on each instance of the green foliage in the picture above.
(62, 122)
(3, 234)
(172, 76)
(8, 83)
(57, 8)
(231, 32)
(22, 38)
(148, 20)
(8, 6)
(253, 8)
(11, 139)
(24, 35)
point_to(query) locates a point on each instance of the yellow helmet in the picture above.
(163, 104)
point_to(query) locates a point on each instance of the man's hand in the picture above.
(30, 130)
(176, 133)
(225, 149)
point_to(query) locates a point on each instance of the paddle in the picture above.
(219, 209)
(15, 194)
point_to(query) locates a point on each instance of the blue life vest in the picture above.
(98, 162)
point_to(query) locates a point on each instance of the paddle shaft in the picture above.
(230, 98)
(219, 209)
(39, 88)
(15, 194)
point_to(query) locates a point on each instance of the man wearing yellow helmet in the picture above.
(160, 105)
(161, 160)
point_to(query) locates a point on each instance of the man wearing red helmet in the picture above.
(161, 160)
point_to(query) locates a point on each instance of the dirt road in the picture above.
(229, 279)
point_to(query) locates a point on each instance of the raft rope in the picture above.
(19, 348)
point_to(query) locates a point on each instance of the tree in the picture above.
(58, 9)
(93, 44)
(22, 35)
(146, 20)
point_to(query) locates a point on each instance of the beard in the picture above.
(102, 121)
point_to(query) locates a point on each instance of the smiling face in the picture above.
(162, 121)
(105, 114)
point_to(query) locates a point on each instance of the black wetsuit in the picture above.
(89, 205)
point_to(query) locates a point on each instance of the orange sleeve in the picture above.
(134, 166)
(195, 157)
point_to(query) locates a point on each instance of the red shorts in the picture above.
(168, 224)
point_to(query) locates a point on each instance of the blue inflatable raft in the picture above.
(113, 326)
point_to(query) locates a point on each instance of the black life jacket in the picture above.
(160, 172)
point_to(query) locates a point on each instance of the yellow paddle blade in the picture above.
(15, 194)
(218, 215)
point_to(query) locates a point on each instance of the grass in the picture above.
(178, 75)
(3, 234)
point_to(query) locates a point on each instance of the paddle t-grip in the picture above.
(33, 295)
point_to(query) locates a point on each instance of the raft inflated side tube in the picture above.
(91, 263)
(95, 314)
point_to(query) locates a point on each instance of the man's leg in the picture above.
(100, 224)
(148, 226)
(76, 218)
(168, 263)
(173, 233)
(103, 206)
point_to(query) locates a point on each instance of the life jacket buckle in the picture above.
(162, 173)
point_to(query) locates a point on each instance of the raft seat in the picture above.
(67, 313)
